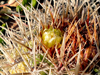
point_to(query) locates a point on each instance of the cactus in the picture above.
(75, 49)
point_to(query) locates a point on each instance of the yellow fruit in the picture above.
(51, 37)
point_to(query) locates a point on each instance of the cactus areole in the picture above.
(51, 37)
